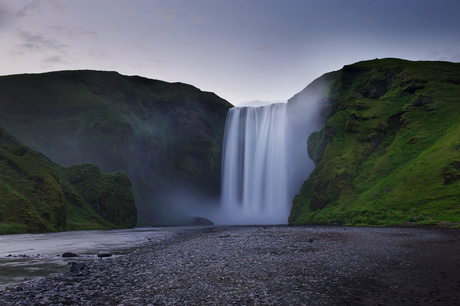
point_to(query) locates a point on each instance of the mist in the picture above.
(306, 114)
(255, 103)
(264, 164)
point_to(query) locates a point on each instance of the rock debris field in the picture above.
(266, 265)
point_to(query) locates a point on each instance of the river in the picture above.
(28, 256)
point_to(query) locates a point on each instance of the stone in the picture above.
(104, 254)
(202, 221)
(69, 254)
(76, 266)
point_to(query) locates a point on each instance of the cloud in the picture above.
(98, 53)
(456, 57)
(7, 16)
(169, 14)
(197, 19)
(39, 42)
(3, 15)
(31, 7)
(157, 63)
(36, 6)
(56, 59)
(433, 54)
(451, 55)
(57, 5)
(72, 32)
(261, 48)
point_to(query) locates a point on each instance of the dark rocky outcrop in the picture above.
(166, 136)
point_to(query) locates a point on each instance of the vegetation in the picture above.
(165, 136)
(38, 195)
(389, 151)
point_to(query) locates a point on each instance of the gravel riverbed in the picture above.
(266, 265)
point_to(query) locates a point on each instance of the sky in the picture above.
(248, 52)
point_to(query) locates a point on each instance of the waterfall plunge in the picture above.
(265, 158)
(254, 166)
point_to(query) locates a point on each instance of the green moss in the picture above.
(41, 196)
(394, 148)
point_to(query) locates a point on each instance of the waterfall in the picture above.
(254, 166)
(265, 158)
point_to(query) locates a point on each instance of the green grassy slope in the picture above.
(165, 136)
(389, 151)
(38, 195)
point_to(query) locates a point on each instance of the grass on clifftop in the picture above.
(390, 149)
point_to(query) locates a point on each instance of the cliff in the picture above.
(37, 195)
(389, 149)
(166, 136)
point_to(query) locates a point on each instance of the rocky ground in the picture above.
(269, 265)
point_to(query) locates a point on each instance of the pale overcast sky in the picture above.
(243, 50)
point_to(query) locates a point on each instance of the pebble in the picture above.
(269, 265)
(104, 254)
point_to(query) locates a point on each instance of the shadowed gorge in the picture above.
(389, 151)
(166, 136)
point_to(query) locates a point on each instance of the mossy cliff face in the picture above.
(38, 195)
(389, 151)
(109, 195)
(165, 136)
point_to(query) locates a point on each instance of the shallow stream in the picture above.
(28, 256)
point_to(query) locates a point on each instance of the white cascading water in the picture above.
(254, 166)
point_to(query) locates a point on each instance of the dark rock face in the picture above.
(69, 254)
(165, 136)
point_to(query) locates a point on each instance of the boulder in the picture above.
(202, 221)
(76, 266)
(104, 254)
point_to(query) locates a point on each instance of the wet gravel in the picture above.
(266, 265)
